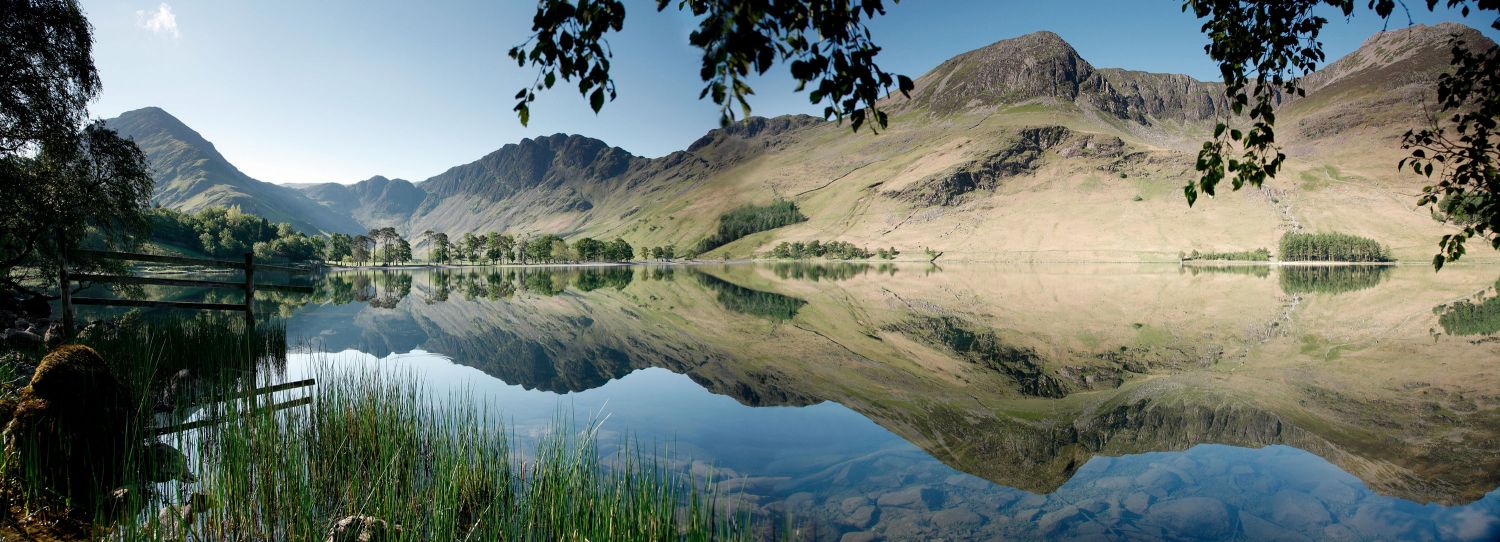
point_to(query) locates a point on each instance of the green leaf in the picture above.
(596, 99)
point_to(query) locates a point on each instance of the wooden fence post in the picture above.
(67, 295)
(249, 291)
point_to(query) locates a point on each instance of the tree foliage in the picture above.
(1263, 47)
(46, 47)
(1331, 279)
(1257, 255)
(228, 233)
(749, 219)
(440, 251)
(833, 250)
(63, 179)
(1331, 247)
(90, 185)
(825, 44)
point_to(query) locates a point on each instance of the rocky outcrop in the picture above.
(1018, 155)
(1144, 96)
(755, 127)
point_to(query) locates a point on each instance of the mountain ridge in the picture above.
(973, 114)
(191, 175)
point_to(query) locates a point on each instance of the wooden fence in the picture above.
(248, 285)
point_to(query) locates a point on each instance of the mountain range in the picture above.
(1021, 151)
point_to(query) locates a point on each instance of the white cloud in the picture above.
(161, 22)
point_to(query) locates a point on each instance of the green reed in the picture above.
(375, 445)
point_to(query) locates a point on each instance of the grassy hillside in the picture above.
(1092, 172)
(1018, 151)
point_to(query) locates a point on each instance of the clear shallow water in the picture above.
(1040, 402)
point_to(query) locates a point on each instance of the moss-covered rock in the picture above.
(71, 427)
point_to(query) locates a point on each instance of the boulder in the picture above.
(21, 339)
(71, 425)
(54, 336)
(1299, 511)
(861, 517)
(359, 529)
(1137, 502)
(863, 536)
(166, 463)
(175, 520)
(1056, 519)
(99, 331)
(957, 519)
(128, 500)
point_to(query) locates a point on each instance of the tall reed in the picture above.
(430, 468)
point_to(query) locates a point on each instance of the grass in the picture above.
(430, 468)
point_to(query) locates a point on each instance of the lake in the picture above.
(979, 402)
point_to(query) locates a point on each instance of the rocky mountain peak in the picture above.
(153, 126)
(1036, 65)
(1397, 56)
(1041, 66)
(532, 162)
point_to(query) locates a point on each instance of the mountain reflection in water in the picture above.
(981, 402)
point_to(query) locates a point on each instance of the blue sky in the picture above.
(343, 90)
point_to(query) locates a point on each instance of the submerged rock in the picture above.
(1195, 517)
(174, 521)
(359, 529)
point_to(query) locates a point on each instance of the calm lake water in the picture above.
(866, 402)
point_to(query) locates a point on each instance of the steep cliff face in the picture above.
(1144, 96)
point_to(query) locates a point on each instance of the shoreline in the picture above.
(1225, 263)
(741, 261)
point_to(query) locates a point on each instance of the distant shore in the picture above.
(696, 262)
(1283, 263)
(474, 266)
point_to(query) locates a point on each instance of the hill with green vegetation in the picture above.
(1018, 151)
(192, 176)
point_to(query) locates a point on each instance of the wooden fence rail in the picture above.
(249, 286)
